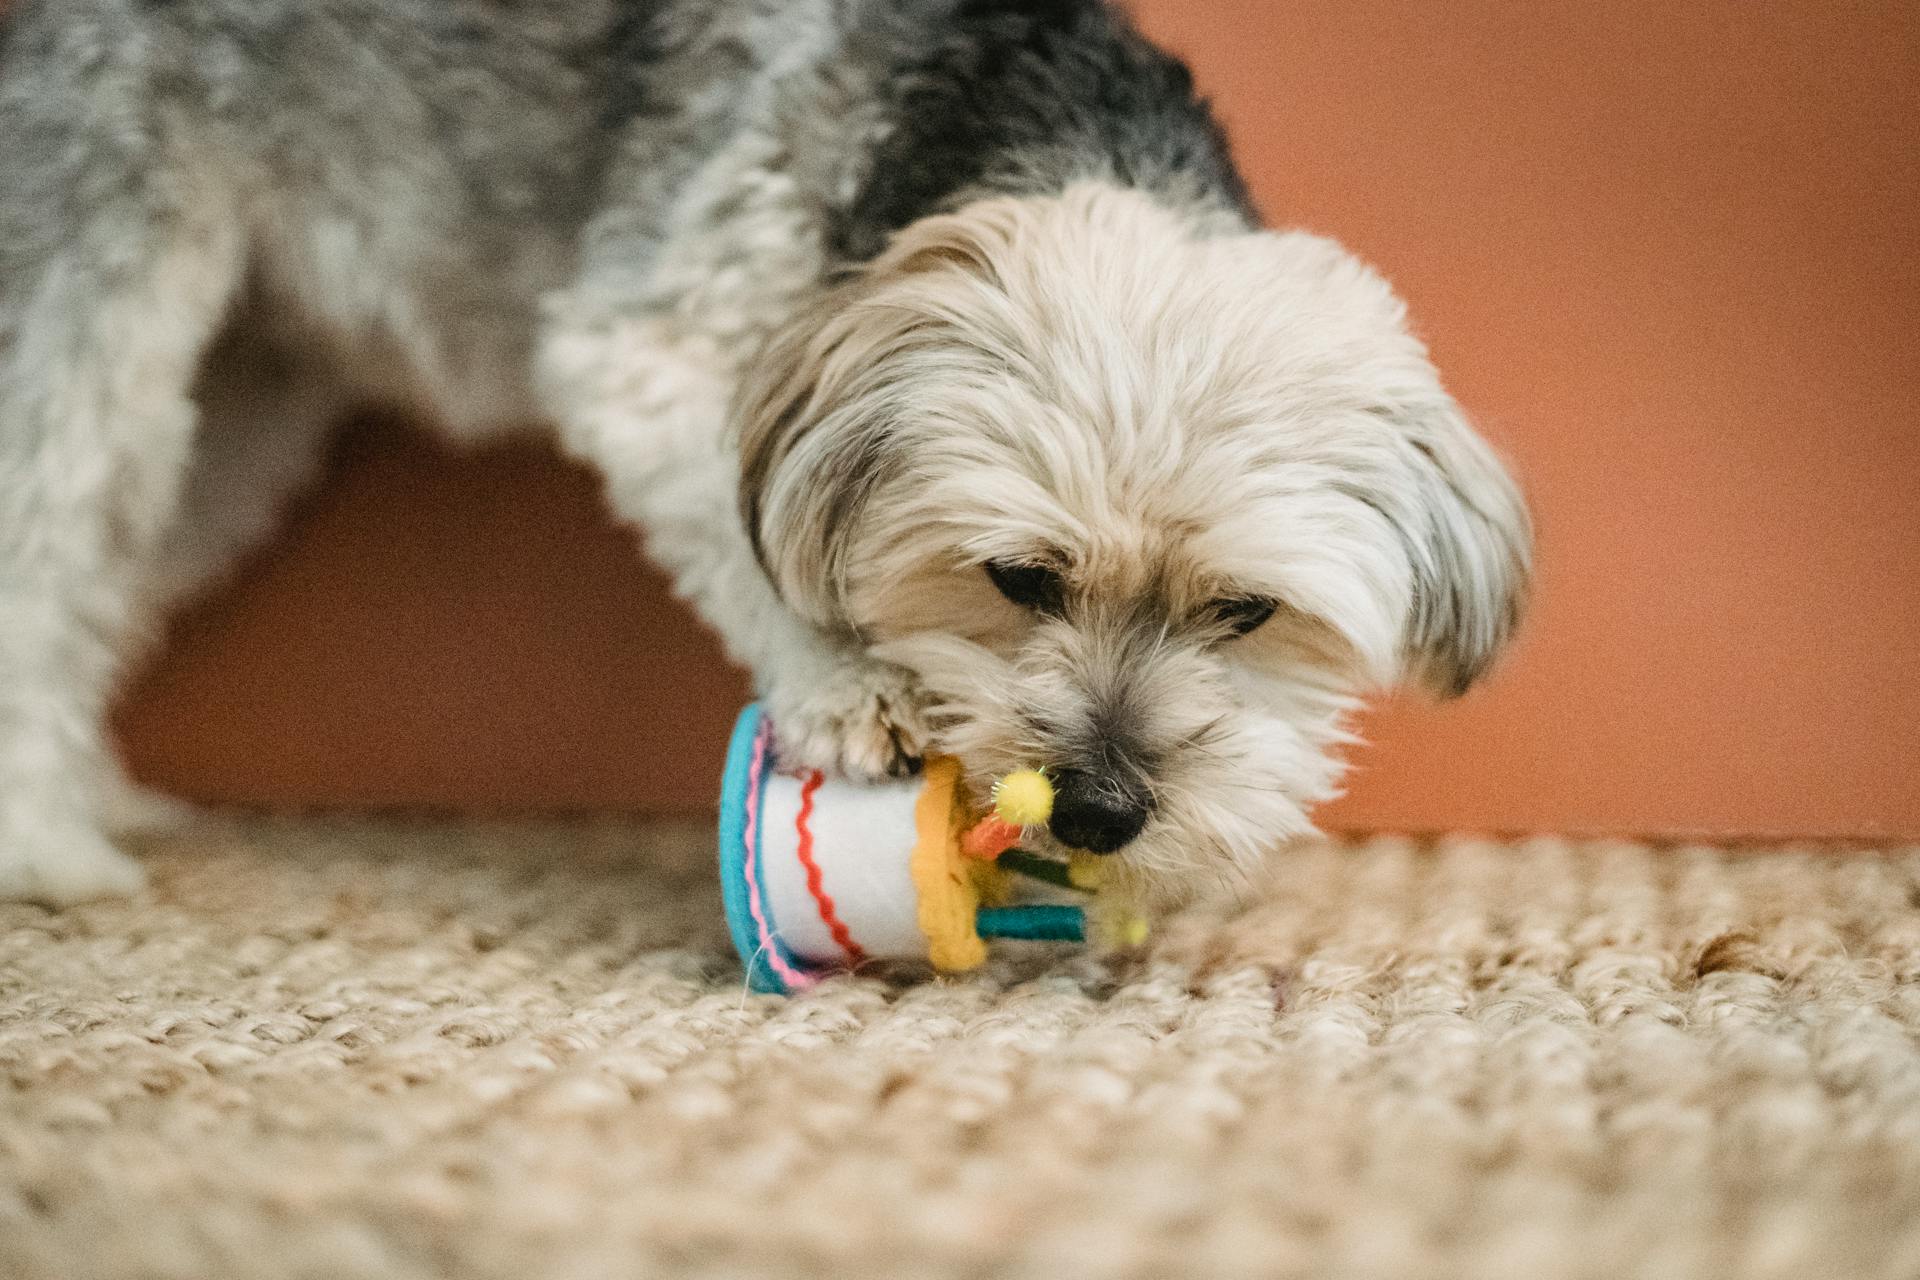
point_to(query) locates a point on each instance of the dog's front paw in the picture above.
(864, 719)
(59, 864)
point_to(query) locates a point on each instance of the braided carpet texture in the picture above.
(522, 1051)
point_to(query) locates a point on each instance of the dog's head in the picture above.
(1145, 506)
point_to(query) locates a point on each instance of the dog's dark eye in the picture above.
(1241, 614)
(1031, 586)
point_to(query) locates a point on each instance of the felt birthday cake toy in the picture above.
(821, 875)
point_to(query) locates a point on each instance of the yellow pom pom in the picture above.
(1024, 797)
(1086, 870)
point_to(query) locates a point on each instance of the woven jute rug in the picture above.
(523, 1051)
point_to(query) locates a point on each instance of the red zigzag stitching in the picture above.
(835, 925)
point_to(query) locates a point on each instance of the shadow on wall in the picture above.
(444, 630)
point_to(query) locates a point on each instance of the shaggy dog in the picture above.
(932, 345)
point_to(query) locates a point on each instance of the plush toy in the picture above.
(821, 875)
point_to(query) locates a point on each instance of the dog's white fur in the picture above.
(1174, 415)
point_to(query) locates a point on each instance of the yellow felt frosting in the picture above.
(949, 891)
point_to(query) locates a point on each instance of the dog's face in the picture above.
(1140, 505)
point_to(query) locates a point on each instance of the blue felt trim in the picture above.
(733, 851)
(1039, 921)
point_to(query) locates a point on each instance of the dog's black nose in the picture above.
(1096, 814)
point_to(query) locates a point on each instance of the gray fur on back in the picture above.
(479, 150)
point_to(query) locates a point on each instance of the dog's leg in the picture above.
(266, 414)
(647, 407)
(113, 277)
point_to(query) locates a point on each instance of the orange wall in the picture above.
(1668, 254)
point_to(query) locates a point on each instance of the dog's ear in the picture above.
(810, 451)
(820, 412)
(1470, 543)
(1457, 516)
